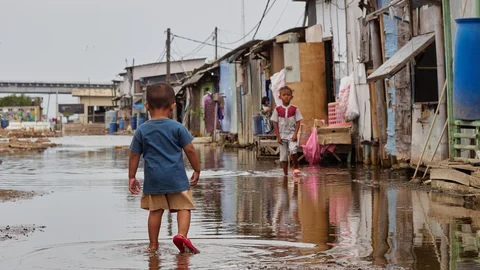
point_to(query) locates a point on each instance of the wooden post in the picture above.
(168, 56)
(375, 132)
(214, 137)
(440, 50)
(447, 27)
(216, 43)
(379, 88)
(403, 99)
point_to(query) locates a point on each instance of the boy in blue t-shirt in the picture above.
(166, 186)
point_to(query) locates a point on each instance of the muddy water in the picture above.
(248, 216)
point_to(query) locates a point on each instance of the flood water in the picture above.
(248, 216)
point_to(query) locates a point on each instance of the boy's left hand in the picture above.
(294, 138)
(134, 186)
(194, 179)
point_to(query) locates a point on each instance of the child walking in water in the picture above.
(286, 121)
(166, 187)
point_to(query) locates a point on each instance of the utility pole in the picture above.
(56, 106)
(216, 43)
(168, 55)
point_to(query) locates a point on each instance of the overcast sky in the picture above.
(73, 40)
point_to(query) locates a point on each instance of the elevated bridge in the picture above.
(25, 87)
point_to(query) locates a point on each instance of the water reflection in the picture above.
(361, 217)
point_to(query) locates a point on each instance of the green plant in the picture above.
(15, 101)
(68, 115)
(197, 112)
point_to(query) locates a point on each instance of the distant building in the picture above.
(97, 102)
(136, 78)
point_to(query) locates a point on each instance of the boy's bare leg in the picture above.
(285, 168)
(295, 161)
(154, 222)
(183, 220)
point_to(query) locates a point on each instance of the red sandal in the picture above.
(184, 243)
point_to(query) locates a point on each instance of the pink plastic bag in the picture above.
(311, 149)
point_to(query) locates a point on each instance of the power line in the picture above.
(230, 32)
(261, 19)
(162, 55)
(342, 8)
(198, 41)
(279, 18)
(198, 48)
(256, 25)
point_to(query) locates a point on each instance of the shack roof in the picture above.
(164, 62)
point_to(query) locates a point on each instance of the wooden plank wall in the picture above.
(310, 94)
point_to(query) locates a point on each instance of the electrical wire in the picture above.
(198, 48)
(201, 42)
(256, 25)
(162, 55)
(342, 8)
(279, 18)
(261, 19)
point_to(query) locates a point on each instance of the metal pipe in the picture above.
(447, 28)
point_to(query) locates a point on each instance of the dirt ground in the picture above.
(15, 195)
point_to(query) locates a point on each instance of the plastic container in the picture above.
(334, 114)
(121, 124)
(113, 127)
(257, 124)
(466, 70)
(110, 117)
(133, 122)
(3, 124)
(141, 120)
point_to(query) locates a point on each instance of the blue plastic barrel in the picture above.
(121, 125)
(141, 120)
(133, 122)
(466, 70)
(257, 124)
(3, 123)
(113, 127)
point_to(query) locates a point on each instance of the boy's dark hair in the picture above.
(285, 88)
(160, 95)
(264, 100)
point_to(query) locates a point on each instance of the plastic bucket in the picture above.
(133, 122)
(113, 127)
(257, 124)
(466, 71)
(141, 120)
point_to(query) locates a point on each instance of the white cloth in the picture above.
(278, 81)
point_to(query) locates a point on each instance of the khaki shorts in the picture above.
(173, 202)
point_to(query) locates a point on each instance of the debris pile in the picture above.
(26, 133)
(13, 145)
